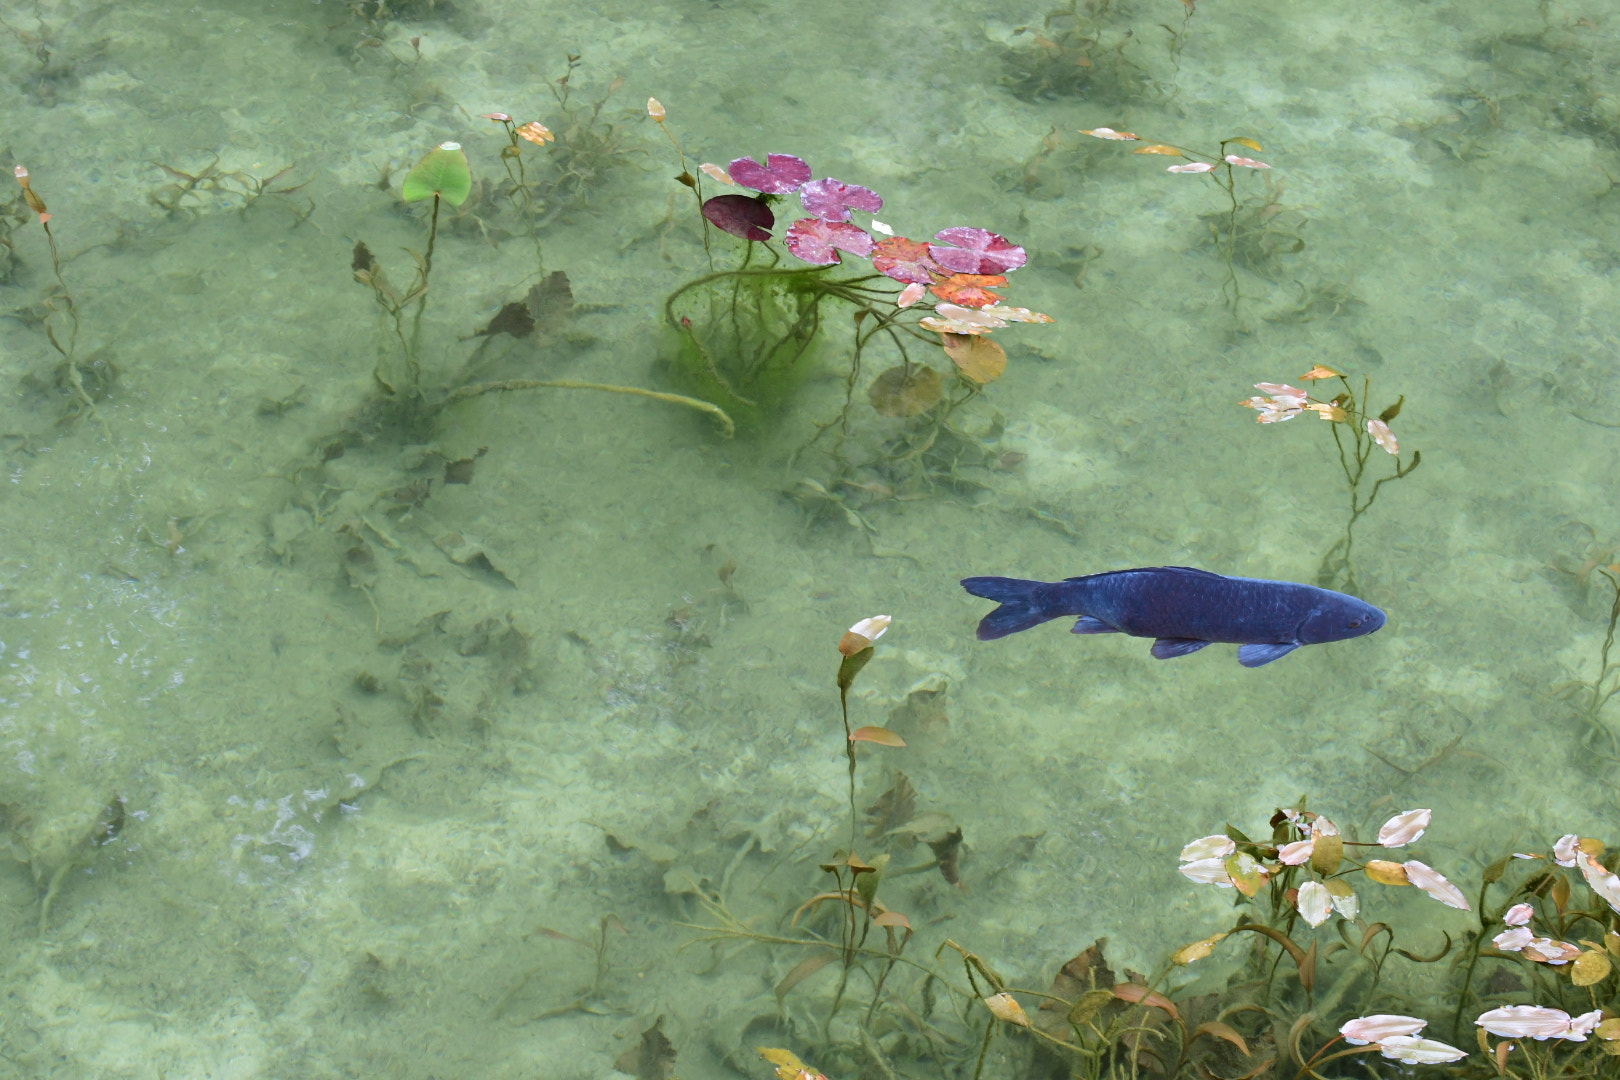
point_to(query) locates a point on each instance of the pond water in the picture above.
(349, 732)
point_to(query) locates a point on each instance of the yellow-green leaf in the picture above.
(1250, 143)
(1326, 854)
(1245, 873)
(1386, 873)
(1590, 968)
(1197, 950)
(1087, 1006)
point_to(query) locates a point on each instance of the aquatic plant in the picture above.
(1316, 981)
(520, 189)
(588, 146)
(1251, 231)
(1589, 696)
(84, 379)
(746, 337)
(1079, 51)
(445, 176)
(1356, 433)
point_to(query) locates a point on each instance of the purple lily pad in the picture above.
(817, 241)
(780, 174)
(832, 200)
(740, 215)
(975, 251)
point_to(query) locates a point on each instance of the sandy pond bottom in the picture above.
(308, 769)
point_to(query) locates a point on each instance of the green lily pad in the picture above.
(443, 172)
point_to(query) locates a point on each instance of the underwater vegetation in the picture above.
(1252, 231)
(837, 292)
(1318, 966)
(1084, 48)
(445, 177)
(746, 337)
(1356, 433)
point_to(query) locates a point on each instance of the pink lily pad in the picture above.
(975, 251)
(832, 200)
(905, 260)
(740, 215)
(780, 174)
(817, 241)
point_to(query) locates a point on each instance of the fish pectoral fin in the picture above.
(1087, 624)
(1256, 655)
(1166, 647)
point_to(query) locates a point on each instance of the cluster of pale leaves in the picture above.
(1396, 1037)
(1215, 860)
(1590, 965)
(1278, 402)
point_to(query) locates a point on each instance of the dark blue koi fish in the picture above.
(1182, 609)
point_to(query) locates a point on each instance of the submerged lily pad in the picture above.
(901, 392)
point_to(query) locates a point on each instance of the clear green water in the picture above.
(315, 879)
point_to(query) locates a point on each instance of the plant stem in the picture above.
(412, 364)
(727, 428)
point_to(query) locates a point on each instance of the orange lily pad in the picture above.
(969, 290)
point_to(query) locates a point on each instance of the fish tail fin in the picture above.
(1020, 605)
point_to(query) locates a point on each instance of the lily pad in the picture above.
(905, 260)
(901, 392)
(977, 357)
(832, 200)
(740, 215)
(975, 251)
(443, 172)
(817, 241)
(780, 174)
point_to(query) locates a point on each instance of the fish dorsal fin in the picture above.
(1151, 570)
(1257, 655)
(1167, 647)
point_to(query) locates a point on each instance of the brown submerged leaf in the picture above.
(551, 300)
(512, 319)
(893, 808)
(948, 850)
(653, 1058)
(900, 393)
(1081, 988)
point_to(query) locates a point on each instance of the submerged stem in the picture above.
(412, 363)
(727, 428)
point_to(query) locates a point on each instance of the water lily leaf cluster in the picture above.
(960, 267)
